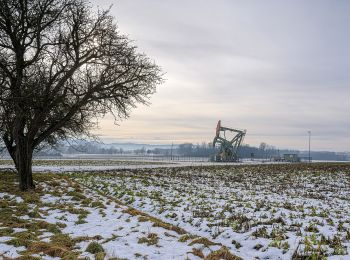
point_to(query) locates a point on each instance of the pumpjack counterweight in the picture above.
(227, 148)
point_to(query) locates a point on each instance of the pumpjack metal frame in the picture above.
(227, 149)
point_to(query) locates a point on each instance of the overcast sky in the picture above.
(275, 68)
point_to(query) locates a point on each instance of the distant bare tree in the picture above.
(262, 149)
(61, 67)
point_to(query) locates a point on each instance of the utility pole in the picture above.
(309, 132)
(171, 152)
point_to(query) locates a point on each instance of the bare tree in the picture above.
(61, 67)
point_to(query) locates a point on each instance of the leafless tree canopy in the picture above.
(62, 66)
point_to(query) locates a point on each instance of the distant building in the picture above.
(291, 157)
(277, 158)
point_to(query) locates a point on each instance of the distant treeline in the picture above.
(264, 151)
(90, 148)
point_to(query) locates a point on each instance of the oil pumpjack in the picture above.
(227, 148)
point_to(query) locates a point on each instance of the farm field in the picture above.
(107, 164)
(66, 165)
(258, 212)
(84, 162)
(271, 211)
(64, 220)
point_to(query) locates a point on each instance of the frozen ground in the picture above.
(84, 165)
(66, 220)
(258, 212)
(263, 211)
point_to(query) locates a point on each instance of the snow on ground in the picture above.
(262, 211)
(120, 231)
(8, 250)
(84, 165)
(62, 219)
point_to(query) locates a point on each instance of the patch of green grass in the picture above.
(97, 204)
(4, 232)
(34, 213)
(62, 240)
(94, 248)
(49, 249)
(76, 195)
(31, 197)
(81, 219)
(151, 239)
(186, 237)
(24, 238)
(100, 256)
(236, 244)
(203, 241)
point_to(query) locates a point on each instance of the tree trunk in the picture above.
(23, 161)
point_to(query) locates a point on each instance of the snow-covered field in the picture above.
(105, 164)
(266, 211)
(258, 212)
(64, 220)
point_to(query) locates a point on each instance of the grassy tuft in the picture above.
(47, 249)
(63, 240)
(94, 248)
(222, 253)
(151, 239)
(204, 241)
